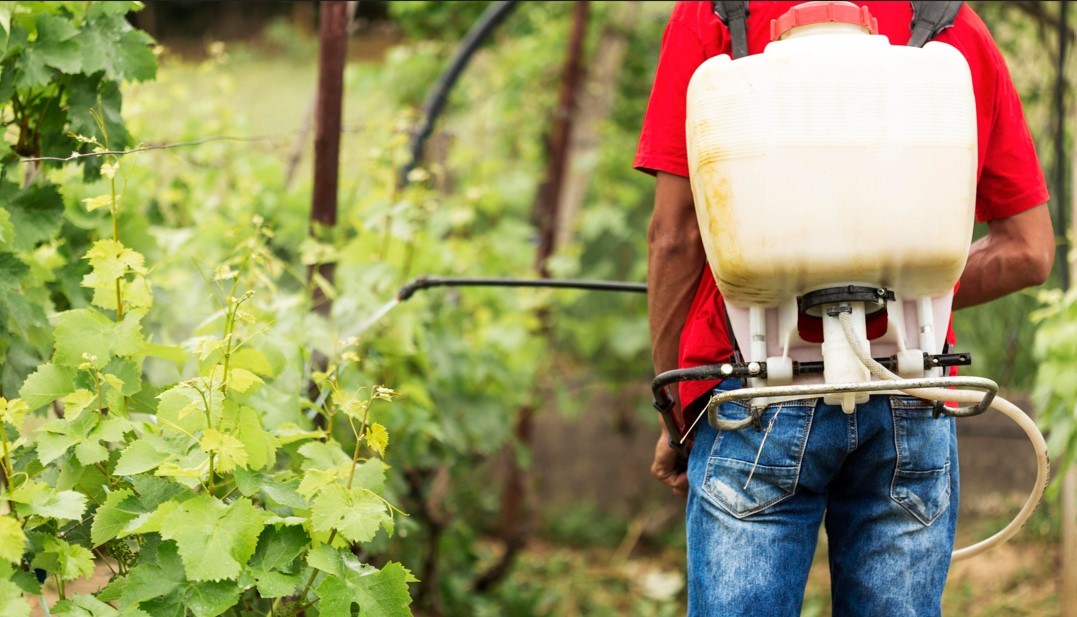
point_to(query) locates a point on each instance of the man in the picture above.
(749, 553)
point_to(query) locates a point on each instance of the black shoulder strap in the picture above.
(929, 18)
(734, 14)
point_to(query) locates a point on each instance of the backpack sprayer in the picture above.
(834, 177)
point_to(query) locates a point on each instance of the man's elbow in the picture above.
(674, 244)
(1036, 263)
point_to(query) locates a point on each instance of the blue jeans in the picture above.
(884, 479)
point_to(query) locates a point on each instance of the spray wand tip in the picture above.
(413, 286)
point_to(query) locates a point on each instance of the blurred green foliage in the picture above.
(464, 361)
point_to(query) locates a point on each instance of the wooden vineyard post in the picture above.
(333, 40)
(328, 105)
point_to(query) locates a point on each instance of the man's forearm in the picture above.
(1016, 253)
(675, 260)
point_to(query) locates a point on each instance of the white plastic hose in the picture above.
(1007, 408)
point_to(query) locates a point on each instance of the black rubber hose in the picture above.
(661, 383)
(424, 282)
(435, 101)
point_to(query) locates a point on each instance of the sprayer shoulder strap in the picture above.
(929, 18)
(734, 14)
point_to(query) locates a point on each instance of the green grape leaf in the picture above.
(354, 407)
(315, 480)
(76, 402)
(84, 432)
(370, 474)
(120, 508)
(127, 338)
(153, 491)
(81, 605)
(43, 500)
(111, 260)
(54, 440)
(211, 598)
(325, 558)
(278, 546)
(54, 44)
(182, 408)
(110, 44)
(136, 294)
(13, 412)
(36, 212)
(7, 233)
(135, 61)
(31, 71)
(278, 584)
(13, 541)
(12, 269)
(241, 380)
(172, 353)
(381, 593)
(157, 585)
(80, 333)
(377, 438)
(335, 597)
(214, 540)
(90, 450)
(156, 578)
(26, 581)
(355, 514)
(227, 450)
(187, 470)
(323, 455)
(12, 603)
(48, 383)
(152, 521)
(252, 360)
(139, 457)
(289, 433)
(96, 203)
(260, 445)
(69, 561)
(278, 491)
(124, 375)
(113, 10)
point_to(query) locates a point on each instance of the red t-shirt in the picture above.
(1009, 178)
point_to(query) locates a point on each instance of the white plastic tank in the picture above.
(833, 158)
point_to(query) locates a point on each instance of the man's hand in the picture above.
(665, 466)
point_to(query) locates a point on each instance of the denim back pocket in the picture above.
(921, 481)
(739, 483)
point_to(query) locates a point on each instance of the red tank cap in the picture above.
(827, 11)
